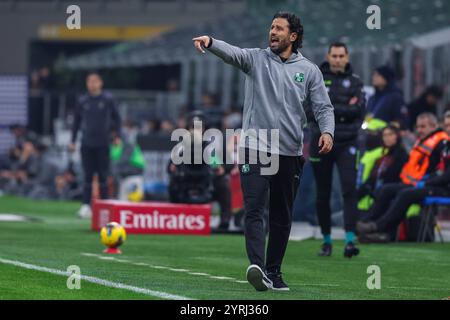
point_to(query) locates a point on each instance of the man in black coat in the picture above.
(345, 90)
(96, 116)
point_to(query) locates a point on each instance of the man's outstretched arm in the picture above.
(241, 58)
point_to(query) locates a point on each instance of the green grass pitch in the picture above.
(211, 267)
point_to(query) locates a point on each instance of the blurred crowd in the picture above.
(28, 170)
(390, 124)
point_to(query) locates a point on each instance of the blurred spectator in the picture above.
(421, 177)
(386, 169)
(167, 126)
(21, 134)
(212, 111)
(387, 102)
(446, 123)
(181, 122)
(447, 107)
(233, 120)
(150, 126)
(67, 186)
(202, 183)
(129, 131)
(39, 80)
(127, 168)
(427, 102)
(31, 174)
(190, 182)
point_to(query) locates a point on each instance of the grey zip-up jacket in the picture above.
(276, 94)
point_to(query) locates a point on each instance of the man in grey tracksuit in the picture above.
(279, 83)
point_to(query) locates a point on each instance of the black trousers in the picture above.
(222, 194)
(95, 160)
(345, 157)
(393, 200)
(281, 189)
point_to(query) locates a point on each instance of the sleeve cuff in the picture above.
(210, 43)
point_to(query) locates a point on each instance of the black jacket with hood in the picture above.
(342, 87)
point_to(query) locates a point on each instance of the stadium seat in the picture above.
(428, 216)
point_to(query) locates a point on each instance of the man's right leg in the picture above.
(255, 189)
(88, 161)
(102, 162)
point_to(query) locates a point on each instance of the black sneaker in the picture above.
(350, 250)
(277, 282)
(325, 250)
(257, 278)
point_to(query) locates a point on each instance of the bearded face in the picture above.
(280, 37)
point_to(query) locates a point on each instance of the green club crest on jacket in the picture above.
(299, 77)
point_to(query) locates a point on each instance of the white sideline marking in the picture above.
(416, 288)
(141, 264)
(200, 274)
(121, 260)
(163, 267)
(317, 284)
(106, 258)
(221, 278)
(103, 282)
(179, 270)
(89, 254)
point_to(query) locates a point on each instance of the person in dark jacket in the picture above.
(345, 90)
(387, 102)
(427, 102)
(96, 116)
(386, 169)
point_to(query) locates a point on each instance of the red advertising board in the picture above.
(153, 217)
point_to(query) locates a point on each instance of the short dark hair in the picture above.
(337, 44)
(94, 73)
(435, 91)
(295, 25)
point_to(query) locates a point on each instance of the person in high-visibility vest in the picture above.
(385, 169)
(127, 169)
(421, 177)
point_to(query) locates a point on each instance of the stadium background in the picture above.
(144, 50)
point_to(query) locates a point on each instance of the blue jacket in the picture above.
(387, 105)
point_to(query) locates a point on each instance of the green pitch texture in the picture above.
(408, 271)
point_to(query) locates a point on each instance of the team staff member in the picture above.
(96, 116)
(279, 81)
(346, 94)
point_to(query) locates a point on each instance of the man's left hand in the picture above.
(325, 143)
